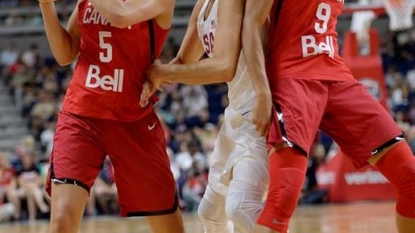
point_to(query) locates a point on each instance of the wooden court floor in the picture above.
(375, 217)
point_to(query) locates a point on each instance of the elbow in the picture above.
(228, 76)
(228, 71)
(65, 60)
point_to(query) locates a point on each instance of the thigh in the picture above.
(142, 172)
(77, 154)
(172, 223)
(224, 145)
(250, 163)
(357, 122)
(299, 107)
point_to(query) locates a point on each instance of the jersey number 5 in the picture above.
(106, 55)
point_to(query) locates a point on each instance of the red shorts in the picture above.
(342, 109)
(137, 151)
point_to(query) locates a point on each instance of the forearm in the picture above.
(255, 18)
(254, 56)
(110, 9)
(60, 41)
(122, 14)
(207, 71)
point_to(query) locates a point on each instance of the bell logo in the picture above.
(106, 82)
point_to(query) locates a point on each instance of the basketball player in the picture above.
(238, 176)
(114, 43)
(312, 89)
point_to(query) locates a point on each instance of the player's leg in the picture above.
(75, 162)
(397, 164)
(212, 212)
(166, 223)
(292, 134)
(68, 205)
(246, 191)
(367, 133)
(145, 183)
(287, 167)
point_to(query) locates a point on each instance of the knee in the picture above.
(60, 222)
(65, 217)
(242, 211)
(405, 189)
(207, 210)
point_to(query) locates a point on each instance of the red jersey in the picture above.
(6, 176)
(111, 67)
(302, 41)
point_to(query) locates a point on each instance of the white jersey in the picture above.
(237, 141)
(241, 93)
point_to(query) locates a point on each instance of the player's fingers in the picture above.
(144, 99)
(257, 124)
(263, 129)
(166, 84)
(145, 94)
(157, 62)
(267, 128)
(259, 127)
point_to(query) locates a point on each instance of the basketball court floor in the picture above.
(371, 217)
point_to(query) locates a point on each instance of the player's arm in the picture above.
(191, 49)
(227, 47)
(255, 18)
(64, 43)
(256, 14)
(125, 13)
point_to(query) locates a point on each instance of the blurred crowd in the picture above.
(190, 115)
(21, 13)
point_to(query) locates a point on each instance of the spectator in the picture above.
(46, 138)
(410, 136)
(311, 193)
(13, 19)
(105, 190)
(8, 190)
(194, 187)
(8, 56)
(29, 183)
(173, 165)
(30, 56)
(43, 110)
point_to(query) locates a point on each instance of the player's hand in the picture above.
(153, 83)
(261, 113)
(157, 80)
(146, 93)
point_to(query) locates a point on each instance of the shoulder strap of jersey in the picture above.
(277, 12)
(154, 97)
(152, 45)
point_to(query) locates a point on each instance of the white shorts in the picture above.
(238, 141)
